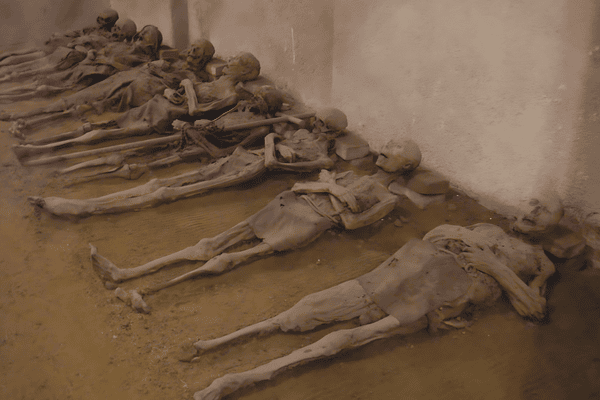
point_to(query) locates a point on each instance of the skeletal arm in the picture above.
(190, 93)
(373, 214)
(272, 163)
(385, 205)
(326, 184)
(546, 269)
(525, 299)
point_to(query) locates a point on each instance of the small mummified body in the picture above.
(431, 283)
(97, 66)
(157, 114)
(122, 91)
(302, 151)
(292, 220)
(94, 37)
(86, 49)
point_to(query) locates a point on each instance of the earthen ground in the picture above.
(64, 336)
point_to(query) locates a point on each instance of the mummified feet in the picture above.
(106, 270)
(133, 299)
(187, 353)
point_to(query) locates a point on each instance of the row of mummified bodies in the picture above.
(77, 59)
(434, 282)
(431, 282)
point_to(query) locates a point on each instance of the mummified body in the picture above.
(158, 114)
(296, 150)
(111, 59)
(293, 219)
(51, 54)
(427, 283)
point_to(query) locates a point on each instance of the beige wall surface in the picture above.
(499, 95)
(31, 22)
(149, 12)
(483, 87)
(292, 39)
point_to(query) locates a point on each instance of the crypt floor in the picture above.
(64, 336)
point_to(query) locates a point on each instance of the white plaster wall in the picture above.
(491, 91)
(148, 12)
(497, 94)
(481, 86)
(31, 22)
(292, 39)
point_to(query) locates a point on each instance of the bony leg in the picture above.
(110, 272)
(216, 265)
(205, 249)
(329, 345)
(342, 302)
(261, 328)
(90, 137)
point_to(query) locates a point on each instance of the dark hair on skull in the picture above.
(270, 99)
(199, 53)
(107, 19)
(155, 35)
(244, 66)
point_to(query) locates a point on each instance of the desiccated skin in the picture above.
(434, 283)
(292, 220)
(108, 60)
(102, 31)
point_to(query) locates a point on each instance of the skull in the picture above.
(243, 67)
(125, 31)
(591, 231)
(269, 98)
(148, 40)
(591, 234)
(399, 155)
(107, 19)
(199, 53)
(330, 120)
(539, 216)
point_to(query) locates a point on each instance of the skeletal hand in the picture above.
(527, 301)
(285, 152)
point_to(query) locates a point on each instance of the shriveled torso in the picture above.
(523, 259)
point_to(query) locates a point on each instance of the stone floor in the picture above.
(64, 336)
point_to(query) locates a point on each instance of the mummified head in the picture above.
(199, 53)
(270, 99)
(107, 19)
(399, 155)
(148, 40)
(591, 231)
(125, 30)
(244, 67)
(330, 120)
(539, 215)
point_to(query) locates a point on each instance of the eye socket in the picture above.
(537, 210)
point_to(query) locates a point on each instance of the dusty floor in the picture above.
(64, 336)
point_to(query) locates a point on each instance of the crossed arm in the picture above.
(340, 195)
(195, 108)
